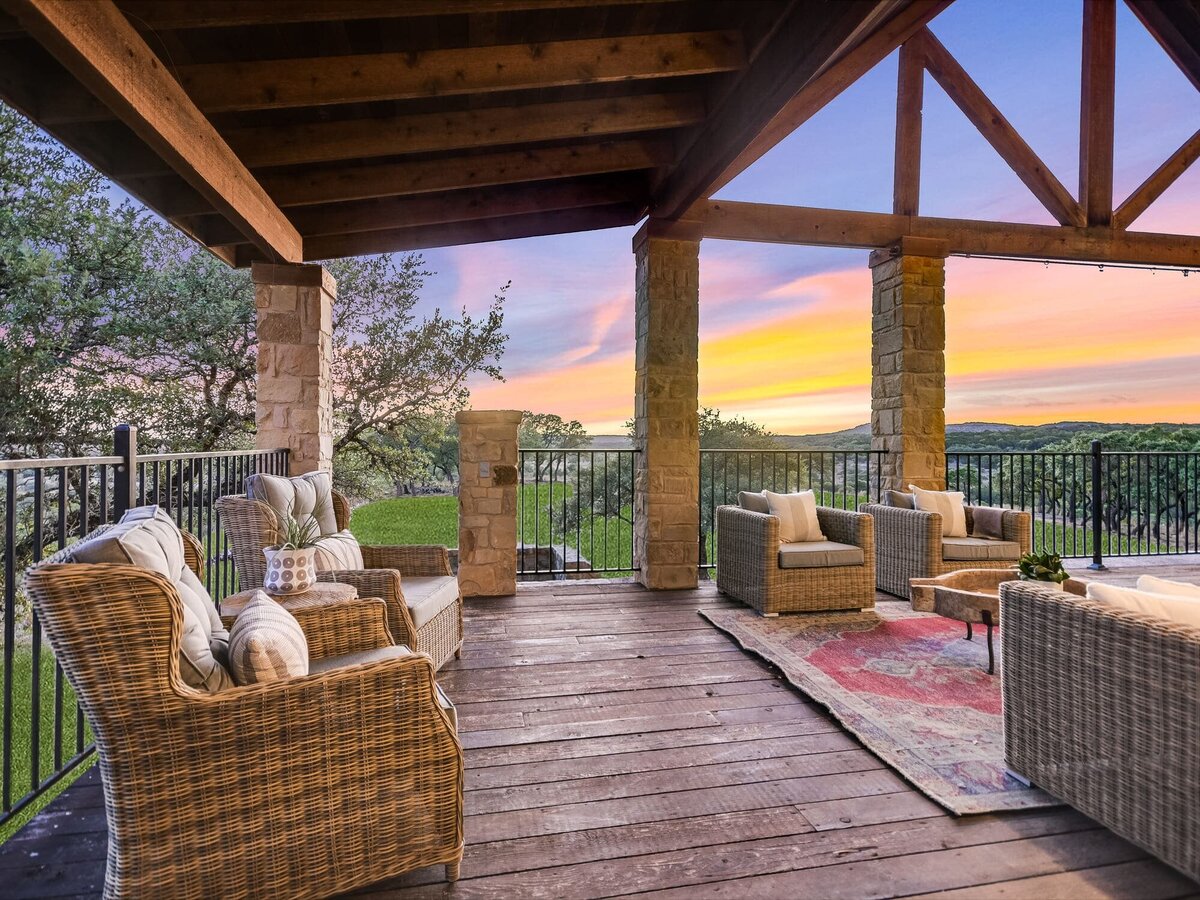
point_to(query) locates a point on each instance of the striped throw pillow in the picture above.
(949, 504)
(266, 643)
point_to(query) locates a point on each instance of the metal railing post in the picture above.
(125, 474)
(1097, 508)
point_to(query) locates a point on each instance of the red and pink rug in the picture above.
(908, 686)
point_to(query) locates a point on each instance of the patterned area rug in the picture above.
(908, 686)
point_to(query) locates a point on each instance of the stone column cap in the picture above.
(488, 416)
(293, 274)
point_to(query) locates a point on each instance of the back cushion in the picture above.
(1174, 608)
(147, 537)
(899, 499)
(299, 497)
(753, 501)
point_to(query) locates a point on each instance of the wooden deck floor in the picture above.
(616, 744)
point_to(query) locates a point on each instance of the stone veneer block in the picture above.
(908, 369)
(487, 501)
(666, 423)
(295, 357)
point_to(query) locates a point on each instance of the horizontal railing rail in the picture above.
(47, 505)
(575, 513)
(839, 478)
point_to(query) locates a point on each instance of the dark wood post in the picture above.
(125, 476)
(1097, 507)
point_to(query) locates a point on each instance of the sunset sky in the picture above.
(785, 331)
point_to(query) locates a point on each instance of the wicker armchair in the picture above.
(304, 787)
(251, 525)
(908, 544)
(1102, 709)
(748, 563)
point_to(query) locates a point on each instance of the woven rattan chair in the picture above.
(1101, 710)
(908, 545)
(748, 563)
(305, 787)
(251, 525)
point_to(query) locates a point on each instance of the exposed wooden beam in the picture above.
(96, 43)
(728, 220)
(438, 209)
(475, 232)
(280, 83)
(990, 122)
(830, 82)
(1096, 110)
(1154, 186)
(910, 92)
(1175, 24)
(158, 15)
(805, 37)
(444, 132)
(312, 186)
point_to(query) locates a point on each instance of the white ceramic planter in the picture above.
(290, 571)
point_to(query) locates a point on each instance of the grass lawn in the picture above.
(408, 520)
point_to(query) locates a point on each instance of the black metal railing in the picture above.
(575, 513)
(50, 503)
(1094, 504)
(839, 478)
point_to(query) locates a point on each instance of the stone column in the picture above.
(487, 501)
(295, 352)
(666, 426)
(908, 366)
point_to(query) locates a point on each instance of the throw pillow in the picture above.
(266, 643)
(755, 502)
(1182, 610)
(1162, 586)
(797, 515)
(949, 504)
(987, 522)
(898, 499)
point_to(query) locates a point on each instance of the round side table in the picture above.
(323, 593)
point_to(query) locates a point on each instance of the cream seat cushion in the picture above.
(1173, 608)
(797, 515)
(426, 596)
(147, 537)
(968, 548)
(1163, 586)
(399, 651)
(266, 643)
(305, 496)
(949, 504)
(819, 555)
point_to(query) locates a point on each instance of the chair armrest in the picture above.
(747, 552)
(417, 560)
(1017, 527)
(847, 526)
(349, 626)
(193, 553)
(897, 527)
(386, 585)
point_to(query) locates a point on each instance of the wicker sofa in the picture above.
(250, 525)
(750, 567)
(303, 787)
(909, 544)
(1102, 709)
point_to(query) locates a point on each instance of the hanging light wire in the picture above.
(1071, 262)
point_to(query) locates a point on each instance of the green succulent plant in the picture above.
(1042, 567)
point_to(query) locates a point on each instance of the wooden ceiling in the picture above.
(309, 129)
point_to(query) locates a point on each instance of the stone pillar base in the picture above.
(487, 502)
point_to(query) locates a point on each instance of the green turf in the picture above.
(408, 520)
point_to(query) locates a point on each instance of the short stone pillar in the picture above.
(487, 501)
(666, 489)
(295, 356)
(908, 367)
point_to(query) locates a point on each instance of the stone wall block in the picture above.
(487, 503)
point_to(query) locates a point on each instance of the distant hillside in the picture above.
(973, 435)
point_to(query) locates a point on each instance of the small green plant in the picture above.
(1042, 567)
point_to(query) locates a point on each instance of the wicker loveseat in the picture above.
(405, 577)
(755, 567)
(303, 787)
(909, 544)
(1102, 710)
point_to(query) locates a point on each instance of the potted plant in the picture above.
(1042, 567)
(292, 564)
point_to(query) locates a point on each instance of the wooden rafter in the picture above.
(1154, 186)
(444, 132)
(1175, 24)
(910, 90)
(96, 43)
(729, 220)
(997, 130)
(1096, 110)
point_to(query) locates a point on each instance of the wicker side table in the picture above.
(323, 593)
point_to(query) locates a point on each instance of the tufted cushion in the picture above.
(148, 538)
(298, 498)
(754, 502)
(819, 555)
(266, 643)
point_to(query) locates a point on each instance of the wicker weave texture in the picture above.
(908, 544)
(1102, 709)
(251, 525)
(748, 563)
(299, 788)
